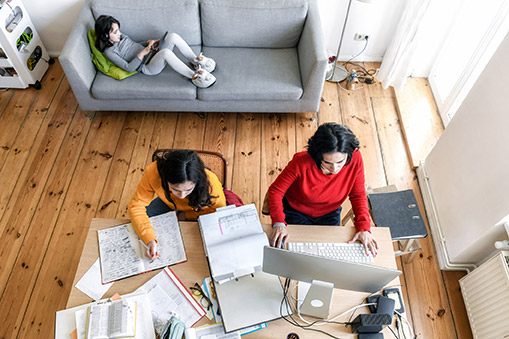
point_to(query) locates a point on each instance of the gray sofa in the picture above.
(270, 56)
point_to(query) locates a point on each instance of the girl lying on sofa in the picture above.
(129, 55)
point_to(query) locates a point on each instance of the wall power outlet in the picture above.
(360, 37)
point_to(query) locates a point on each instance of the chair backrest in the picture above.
(213, 161)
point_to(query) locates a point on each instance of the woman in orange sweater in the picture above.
(182, 184)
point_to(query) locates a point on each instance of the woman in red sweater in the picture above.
(316, 182)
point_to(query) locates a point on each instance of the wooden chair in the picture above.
(213, 161)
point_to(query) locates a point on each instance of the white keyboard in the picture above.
(344, 251)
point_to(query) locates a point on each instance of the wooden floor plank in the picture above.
(190, 131)
(115, 182)
(81, 202)
(305, 126)
(12, 121)
(220, 134)
(163, 134)
(246, 162)
(357, 114)
(5, 97)
(329, 110)
(14, 169)
(278, 131)
(418, 114)
(18, 291)
(137, 164)
(451, 280)
(27, 193)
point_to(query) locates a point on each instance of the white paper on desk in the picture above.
(91, 284)
(174, 297)
(81, 322)
(215, 331)
(237, 258)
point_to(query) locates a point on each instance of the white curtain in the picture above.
(396, 65)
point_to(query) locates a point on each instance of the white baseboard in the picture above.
(434, 225)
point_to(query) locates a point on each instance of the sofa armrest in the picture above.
(312, 55)
(75, 57)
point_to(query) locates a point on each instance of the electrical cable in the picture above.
(390, 328)
(293, 321)
(408, 323)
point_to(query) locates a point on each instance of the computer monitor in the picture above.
(324, 274)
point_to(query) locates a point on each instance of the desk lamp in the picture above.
(339, 72)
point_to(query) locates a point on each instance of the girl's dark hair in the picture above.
(179, 166)
(331, 137)
(102, 31)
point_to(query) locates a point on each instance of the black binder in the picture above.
(398, 211)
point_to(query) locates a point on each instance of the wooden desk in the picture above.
(196, 268)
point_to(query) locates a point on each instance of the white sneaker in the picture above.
(207, 64)
(202, 78)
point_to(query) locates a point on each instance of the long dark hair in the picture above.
(179, 166)
(102, 31)
(331, 137)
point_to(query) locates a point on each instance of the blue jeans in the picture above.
(292, 216)
(156, 207)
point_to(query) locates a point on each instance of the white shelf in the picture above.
(18, 59)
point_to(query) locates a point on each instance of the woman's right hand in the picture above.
(151, 251)
(146, 50)
(279, 236)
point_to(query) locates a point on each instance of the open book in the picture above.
(116, 319)
(233, 240)
(122, 253)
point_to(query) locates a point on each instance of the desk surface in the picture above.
(196, 268)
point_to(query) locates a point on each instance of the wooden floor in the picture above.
(60, 167)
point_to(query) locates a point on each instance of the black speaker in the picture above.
(370, 323)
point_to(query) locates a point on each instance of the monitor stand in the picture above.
(318, 300)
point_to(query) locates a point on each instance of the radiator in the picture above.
(486, 294)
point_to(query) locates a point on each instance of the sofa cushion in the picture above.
(142, 21)
(253, 74)
(261, 23)
(166, 85)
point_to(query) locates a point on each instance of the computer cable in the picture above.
(293, 321)
(408, 323)
(401, 326)
(390, 328)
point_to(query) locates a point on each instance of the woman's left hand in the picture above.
(367, 239)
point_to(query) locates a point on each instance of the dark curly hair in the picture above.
(331, 137)
(102, 31)
(179, 166)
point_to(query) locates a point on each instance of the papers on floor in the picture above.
(91, 284)
(122, 254)
(169, 297)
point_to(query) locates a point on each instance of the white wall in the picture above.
(468, 168)
(378, 19)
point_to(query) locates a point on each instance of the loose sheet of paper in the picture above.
(90, 283)
(166, 299)
(215, 331)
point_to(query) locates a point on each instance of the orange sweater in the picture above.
(149, 185)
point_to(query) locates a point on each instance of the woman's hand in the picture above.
(367, 239)
(151, 251)
(146, 50)
(279, 236)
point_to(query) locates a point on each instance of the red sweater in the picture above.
(311, 192)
